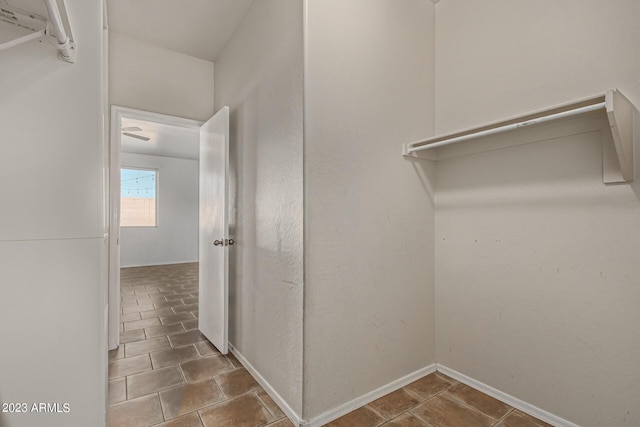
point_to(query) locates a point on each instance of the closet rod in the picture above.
(65, 49)
(569, 113)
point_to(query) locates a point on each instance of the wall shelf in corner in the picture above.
(619, 111)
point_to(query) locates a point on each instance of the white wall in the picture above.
(52, 228)
(501, 58)
(151, 78)
(369, 314)
(175, 239)
(536, 259)
(260, 77)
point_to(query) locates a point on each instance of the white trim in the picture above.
(113, 215)
(365, 399)
(288, 411)
(339, 411)
(150, 116)
(506, 398)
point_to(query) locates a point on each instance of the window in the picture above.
(138, 201)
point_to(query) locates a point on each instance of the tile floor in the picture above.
(165, 373)
(437, 401)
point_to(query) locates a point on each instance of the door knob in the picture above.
(229, 242)
(218, 243)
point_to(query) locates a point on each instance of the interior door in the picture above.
(214, 230)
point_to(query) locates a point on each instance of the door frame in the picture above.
(117, 114)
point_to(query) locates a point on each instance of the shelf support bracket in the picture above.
(620, 113)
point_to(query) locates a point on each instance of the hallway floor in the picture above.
(166, 373)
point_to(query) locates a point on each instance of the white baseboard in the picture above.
(506, 398)
(365, 399)
(288, 411)
(339, 411)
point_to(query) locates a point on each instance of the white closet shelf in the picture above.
(619, 112)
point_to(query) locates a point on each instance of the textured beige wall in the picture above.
(369, 316)
(259, 76)
(174, 239)
(52, 231)
(500, 58)
(537, 260)
(152, 78)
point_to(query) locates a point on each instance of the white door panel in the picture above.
(214, 259)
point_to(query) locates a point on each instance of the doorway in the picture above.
(161, 155)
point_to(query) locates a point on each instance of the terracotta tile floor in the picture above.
(437, 401)
(165, 373)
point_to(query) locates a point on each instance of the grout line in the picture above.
(399, 415)
(377, 413)
(504, 416)
(284, 417)
(414, 394)
(213, 380)
(164, 418)
(433, 396)
(422, 400)
(184, 377)
(255, 392)
(262, 403)
(452, 397)
(151, 361)
(419, 417)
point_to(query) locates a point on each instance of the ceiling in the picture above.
(165, 140)
(199, 28)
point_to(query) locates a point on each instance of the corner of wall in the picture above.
(352, 144)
